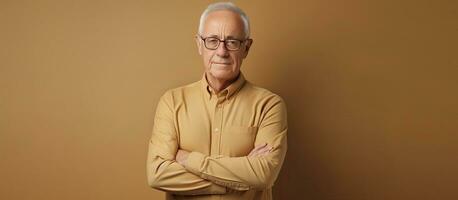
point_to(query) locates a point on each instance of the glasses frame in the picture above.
(223, 41)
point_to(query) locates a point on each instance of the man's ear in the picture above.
(249, 42)
(199, 44)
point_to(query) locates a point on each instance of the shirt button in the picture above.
(216, 129)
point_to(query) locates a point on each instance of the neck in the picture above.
(219, 84)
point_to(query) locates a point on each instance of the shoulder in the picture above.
(271, 105)
(263, 99)
(262, 94)
(181, 92)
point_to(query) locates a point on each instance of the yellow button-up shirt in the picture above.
(219, 130)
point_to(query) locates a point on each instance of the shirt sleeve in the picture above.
(163, 172)
(245, 173)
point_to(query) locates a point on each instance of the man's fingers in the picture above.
(256, 148)
(264, 150)
(260, 150)
(260, 146)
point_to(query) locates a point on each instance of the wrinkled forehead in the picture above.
(224, 23)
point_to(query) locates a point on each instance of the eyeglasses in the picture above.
(212, 43)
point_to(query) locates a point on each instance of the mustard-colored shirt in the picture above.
(219, 130)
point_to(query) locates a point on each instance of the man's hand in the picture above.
(260, 150)
(181, 156)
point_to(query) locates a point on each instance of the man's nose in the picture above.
(221, 51)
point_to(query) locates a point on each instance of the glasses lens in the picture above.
(232, 44)
(211, 43)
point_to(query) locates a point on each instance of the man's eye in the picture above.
(232, 42)
(212, 40)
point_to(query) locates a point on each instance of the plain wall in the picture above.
(371, 89)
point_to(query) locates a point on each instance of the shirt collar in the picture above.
(228, 91)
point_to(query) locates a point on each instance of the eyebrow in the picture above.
(228, 37)
(231, 37)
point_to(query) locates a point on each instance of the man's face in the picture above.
(221, 63)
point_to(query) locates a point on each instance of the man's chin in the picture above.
(223, 74)
(223, 67)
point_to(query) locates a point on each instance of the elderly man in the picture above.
(220, 137)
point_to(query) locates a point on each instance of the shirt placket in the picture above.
(217, 125)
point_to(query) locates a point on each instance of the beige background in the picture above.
(371, 89)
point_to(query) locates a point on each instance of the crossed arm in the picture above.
(176, 171)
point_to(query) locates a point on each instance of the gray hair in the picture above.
(225, 6)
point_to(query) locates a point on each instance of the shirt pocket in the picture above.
(238, 141)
